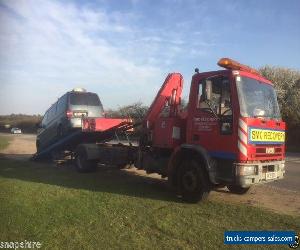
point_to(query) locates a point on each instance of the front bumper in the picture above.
(264, 172)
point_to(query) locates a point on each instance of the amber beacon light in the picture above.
(234, 65)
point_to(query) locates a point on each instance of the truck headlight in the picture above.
(247, 170)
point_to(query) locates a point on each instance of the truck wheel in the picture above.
(83, 165)
(194, 182)
(235, 189)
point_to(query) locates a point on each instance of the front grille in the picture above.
(269, 168)
(260, 152)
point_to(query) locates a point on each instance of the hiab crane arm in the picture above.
(170, 94)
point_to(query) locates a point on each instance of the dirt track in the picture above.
(20, 146)
(281, 197)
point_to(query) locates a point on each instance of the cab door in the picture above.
(212, 122)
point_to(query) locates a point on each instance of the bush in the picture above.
(136, 111)
(25, 122)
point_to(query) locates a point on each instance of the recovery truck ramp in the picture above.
(93, 131)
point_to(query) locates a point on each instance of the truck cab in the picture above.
(234, 116)
(231, 133)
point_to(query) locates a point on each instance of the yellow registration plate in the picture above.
(266, 136)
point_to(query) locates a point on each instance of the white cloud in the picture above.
(57, 46)
(48, 47)
(57, 38)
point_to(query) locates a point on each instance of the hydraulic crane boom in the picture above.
(170, 94)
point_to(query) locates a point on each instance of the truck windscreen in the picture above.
(257, 99)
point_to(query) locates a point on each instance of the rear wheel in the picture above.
(235, 189)
(194, 183)
(82, 163)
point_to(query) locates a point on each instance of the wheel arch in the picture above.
(186, 151)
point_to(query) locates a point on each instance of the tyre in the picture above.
(235, 189)
(83, 165)
(193, 180)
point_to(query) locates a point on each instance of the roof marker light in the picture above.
(228, 63)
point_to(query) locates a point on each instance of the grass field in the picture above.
(115, 209)
(4, 141)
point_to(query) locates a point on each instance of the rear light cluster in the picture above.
(69, 114)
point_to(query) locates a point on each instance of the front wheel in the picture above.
(235, 189)
(194, 182)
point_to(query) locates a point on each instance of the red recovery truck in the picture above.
(230, 134)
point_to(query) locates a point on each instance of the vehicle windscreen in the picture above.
(257, 98)
(88, 99)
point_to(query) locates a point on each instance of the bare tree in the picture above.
(136, 111)
(287, 85)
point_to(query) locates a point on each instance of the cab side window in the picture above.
(214, 93)
(225, 105)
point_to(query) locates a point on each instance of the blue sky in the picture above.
(123, 50)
